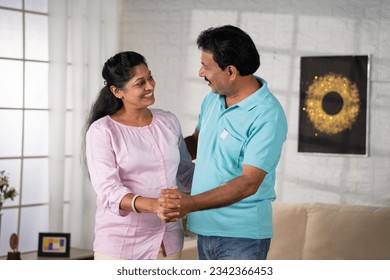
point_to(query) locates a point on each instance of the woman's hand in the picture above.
(168, 205)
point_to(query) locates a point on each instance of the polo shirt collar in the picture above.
(252, 100)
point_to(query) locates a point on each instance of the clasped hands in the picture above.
(171, 205)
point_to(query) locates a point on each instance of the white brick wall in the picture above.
(165, 31)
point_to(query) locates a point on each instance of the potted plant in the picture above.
(6, 192)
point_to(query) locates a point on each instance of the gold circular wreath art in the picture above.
(320, 87)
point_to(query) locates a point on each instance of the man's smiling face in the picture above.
(216, 77)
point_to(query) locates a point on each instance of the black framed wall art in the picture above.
(333, 105)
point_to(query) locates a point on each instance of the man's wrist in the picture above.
(192, 205)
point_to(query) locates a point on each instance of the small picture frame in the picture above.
(54, 244)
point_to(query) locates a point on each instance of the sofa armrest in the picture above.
(289, 221)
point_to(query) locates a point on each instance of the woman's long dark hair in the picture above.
(117, 71)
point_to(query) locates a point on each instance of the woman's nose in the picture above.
(149, 85)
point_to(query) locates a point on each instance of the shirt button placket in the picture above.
(159, 154)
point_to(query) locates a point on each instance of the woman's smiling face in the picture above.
(138, 92)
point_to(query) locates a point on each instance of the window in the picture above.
(24, 119)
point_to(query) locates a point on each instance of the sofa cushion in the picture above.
(347, 232)
(289, 221)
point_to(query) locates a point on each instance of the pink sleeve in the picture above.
(103, 170)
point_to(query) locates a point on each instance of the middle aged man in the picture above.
(239, 138)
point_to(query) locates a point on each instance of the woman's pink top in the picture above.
(140, 160)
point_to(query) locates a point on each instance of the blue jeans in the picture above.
(232, 248)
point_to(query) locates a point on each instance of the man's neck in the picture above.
(245, 86)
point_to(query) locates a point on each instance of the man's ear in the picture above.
(232, 71)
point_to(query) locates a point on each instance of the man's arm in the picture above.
(192, 143)
(231, 192)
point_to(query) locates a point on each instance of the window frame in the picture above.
(18, 205)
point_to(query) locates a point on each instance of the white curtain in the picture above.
(83, 34)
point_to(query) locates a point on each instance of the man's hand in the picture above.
(171, 200)
(168, 209)
(192, 143)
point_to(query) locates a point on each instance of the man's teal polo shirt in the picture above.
(250, 132)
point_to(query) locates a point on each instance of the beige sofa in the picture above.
(317, 231)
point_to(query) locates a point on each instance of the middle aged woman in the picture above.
(133, 152)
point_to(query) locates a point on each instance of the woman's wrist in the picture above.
(145, 205)
(133, 201)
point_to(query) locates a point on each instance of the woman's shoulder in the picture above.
(166, 119)
(101, 123)
(102, 126)
(162, 114)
